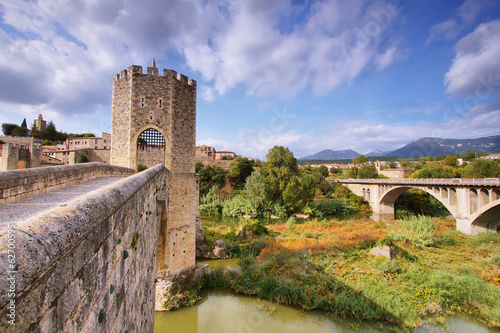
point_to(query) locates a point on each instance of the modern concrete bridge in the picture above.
(474, 203)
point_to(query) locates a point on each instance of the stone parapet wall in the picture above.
(224, 164)
(90, 265)
(21, 184)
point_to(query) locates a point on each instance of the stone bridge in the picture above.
(474, 203)
(80, 246)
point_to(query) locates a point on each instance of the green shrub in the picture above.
(141, 167)
(237, 205)
(215, 279)
(418, 231)
(486, 238)
(495, 259)
(210, 203)
(333, 207)
(290, 224)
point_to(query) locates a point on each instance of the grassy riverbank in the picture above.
(326, 265)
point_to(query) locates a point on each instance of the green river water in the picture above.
(223, 311)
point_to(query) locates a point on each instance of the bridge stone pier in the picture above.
(474, 203)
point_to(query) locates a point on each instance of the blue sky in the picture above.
(309, 75)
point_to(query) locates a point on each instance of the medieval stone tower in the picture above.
(154, 121)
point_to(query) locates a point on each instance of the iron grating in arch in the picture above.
(151, 139)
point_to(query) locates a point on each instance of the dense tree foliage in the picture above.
(436, 171)
(49, 133)
(210, 177)
(8, 128)
(278, 189)
(241, 168)
(418, 202)
(281, 166)
(482, 168)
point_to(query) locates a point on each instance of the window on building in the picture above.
(142, 102)
(96, 141)
(151, 138)
(159, 103)
(105, 141)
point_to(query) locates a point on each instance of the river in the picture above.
(221, 311)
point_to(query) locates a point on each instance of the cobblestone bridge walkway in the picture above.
(23, 209)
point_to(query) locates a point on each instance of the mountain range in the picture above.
(420, 148)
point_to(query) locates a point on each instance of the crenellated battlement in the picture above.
(153, 71)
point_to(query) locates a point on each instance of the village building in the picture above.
(224, 153)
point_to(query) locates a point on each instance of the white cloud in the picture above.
(334, 43)
(60, 55)
(363, 135)
(476, 68)
(464, 16)
(448, 30)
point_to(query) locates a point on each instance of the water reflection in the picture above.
(223, 311)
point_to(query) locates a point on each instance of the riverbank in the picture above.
(326, 265)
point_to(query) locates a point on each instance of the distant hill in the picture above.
(436, 146)
(376, 153)
(329, 154)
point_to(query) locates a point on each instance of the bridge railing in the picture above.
(25, 183)
(423, 181)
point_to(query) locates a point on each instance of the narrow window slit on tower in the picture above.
(159, 103)
(151, 115)
(142, 102)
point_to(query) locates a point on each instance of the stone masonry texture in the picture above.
(167, 104)
(89, 265)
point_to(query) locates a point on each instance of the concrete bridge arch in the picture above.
(474, 203)
(389, 198)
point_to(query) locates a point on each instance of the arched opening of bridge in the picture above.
(419, 202)
(489, 220)
(150, 148)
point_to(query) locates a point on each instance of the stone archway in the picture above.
(151, 148)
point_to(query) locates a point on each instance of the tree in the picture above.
(307, 190)
(451, 160)
(280, 167)
(436, 171)
(360, 159)
(256, 189)
(209, 177)
(483, 168)
(367, 172)
(20, 131)
(23, 124)
(323, 170)
(292, 194)
(241, 168)
(8, 128)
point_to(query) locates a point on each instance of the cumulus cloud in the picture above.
(332, 43)
(475, 68)
(59, 55)
(364, 135)
(463, 17)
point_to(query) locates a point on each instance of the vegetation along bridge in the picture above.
(474, 203)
